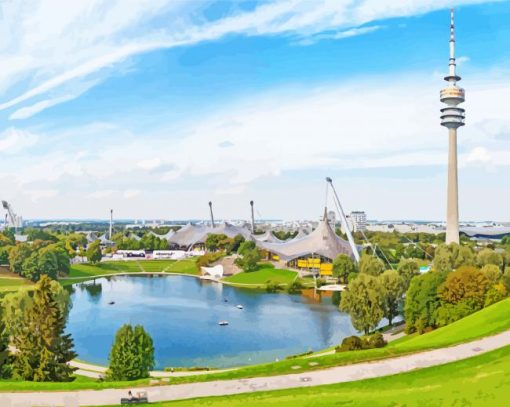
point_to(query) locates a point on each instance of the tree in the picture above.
(363, 301)
(489, 256)
(343, 266)
(422, 301)
(42, 349)
(407, 269)
(496, 293)
(4, 256)
(465, 257)
(393, 288)
(213, 242)
(17, 255)
(443, 259)
(492, 272)
(249, 261)
(467, 284)
(132, 354)
(370, 265)
(246, 246)
(4, 343)
(93, 252)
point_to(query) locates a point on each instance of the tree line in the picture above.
(460, 282)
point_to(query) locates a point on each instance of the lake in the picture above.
(181, 314)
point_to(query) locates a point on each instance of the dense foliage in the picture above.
(132, 354)
(36, 331)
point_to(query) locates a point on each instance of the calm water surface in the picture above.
(182, 313)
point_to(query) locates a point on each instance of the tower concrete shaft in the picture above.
(452, 210)
(452, 117)
(212, 215)
(111, 224)
(252, 218)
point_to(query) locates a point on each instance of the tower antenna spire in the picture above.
(452, 64)
(452, 117)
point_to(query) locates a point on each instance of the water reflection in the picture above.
(182, 314)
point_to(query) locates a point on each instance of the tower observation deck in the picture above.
(452, 117)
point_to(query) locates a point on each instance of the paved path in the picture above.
(338, 374)
(96, 371)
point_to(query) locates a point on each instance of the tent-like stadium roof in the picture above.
(166, 236)
(193, 234)
(322, 241)
(267, 237)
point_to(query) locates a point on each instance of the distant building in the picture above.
(358, 221)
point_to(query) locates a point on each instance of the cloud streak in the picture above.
(86, 37)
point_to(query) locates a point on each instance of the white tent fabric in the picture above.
(322, 241)
(267, 237)
(215, 271)
(190, 234)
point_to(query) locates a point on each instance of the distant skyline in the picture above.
(155, 107)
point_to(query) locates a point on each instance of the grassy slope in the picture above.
(482, 381)
(262, 276)
(489, 321)
(115, 267)
(11, 281)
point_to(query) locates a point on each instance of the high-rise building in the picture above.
(358, 220)
(452, 117)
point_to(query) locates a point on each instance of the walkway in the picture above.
(96, 371)
(338, 374)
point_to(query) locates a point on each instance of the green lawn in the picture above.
(486, 322)
(11, 281)
(479, 381)
(262, 276)
(117, 267)
(11, 284)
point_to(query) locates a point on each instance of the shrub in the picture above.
(375, 341)
(295, 287)
(272, 286)
(208, 259)
(350, 343)
(367, 342)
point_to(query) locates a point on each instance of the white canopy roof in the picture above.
(322, 241)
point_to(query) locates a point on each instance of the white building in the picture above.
(357, 221)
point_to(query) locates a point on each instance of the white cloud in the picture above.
(149, 164)
(14, 140)
(104, 193)
(131, 193)
(478, 154)
(88, 36)
(38, 194)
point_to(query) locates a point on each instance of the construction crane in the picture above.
(12, 220)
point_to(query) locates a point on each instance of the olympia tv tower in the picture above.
(452, 117)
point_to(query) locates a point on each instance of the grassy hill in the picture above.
(479, 381)
(488, 321)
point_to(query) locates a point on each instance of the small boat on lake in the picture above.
(111, 303)
(223, 323)
(239, 307)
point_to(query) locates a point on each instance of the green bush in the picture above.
(367, 342)
(208, 259)
(350, 343)
(375, 341)
(295, 287)
(272, 286)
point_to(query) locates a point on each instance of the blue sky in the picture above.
(156, 107)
